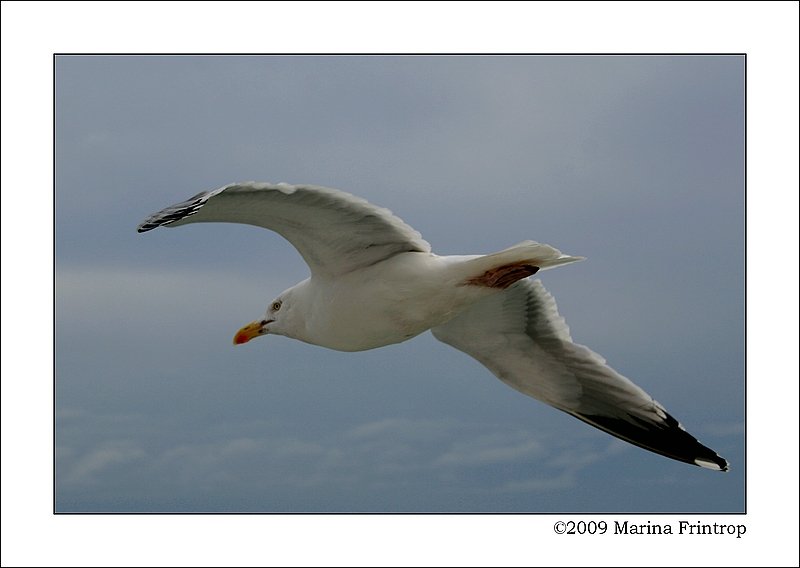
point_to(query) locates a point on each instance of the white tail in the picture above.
(540, 255)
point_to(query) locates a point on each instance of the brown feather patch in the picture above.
(503, 276)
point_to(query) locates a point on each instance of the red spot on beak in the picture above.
(247, 333)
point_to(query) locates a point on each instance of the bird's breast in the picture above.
(384, 304)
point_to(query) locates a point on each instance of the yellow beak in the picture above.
(247, 333)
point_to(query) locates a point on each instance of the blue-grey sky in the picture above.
(634, 162)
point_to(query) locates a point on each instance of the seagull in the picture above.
(375, 282)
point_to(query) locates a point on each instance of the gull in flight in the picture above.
(374, 282)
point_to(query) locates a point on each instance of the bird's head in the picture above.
(270, 323)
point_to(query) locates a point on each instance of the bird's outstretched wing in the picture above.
(334, 231)
(520, 336)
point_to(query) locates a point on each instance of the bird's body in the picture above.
(381, 304)
(375, 282)
(397, 298)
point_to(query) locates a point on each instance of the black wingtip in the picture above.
(148, 225)
(667, 438)
(176, 212)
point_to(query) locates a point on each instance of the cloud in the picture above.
(402, 428)
(564, 480)
(368, 458)
(87, 468)
(492, 449)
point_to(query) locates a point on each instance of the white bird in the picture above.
(374, 282)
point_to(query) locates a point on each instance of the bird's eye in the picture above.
(276, 306)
